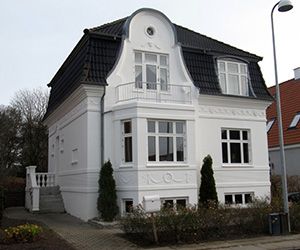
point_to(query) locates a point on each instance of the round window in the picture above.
(150, 31)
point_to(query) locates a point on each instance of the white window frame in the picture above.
(126, 135)
(240, 141)
(243, 198)
(173, 135)
(157, 85)
(295, 121)
(239, 74)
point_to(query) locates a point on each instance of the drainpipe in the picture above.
(102, 127)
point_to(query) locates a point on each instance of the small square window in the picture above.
(168, 203)
(151, 58)
(248, 198)
(179, 127)
(165, 127)
(151, 126)
(228, 199)
(295, 121)
(270, 124)
(245, 135)
(138, 57)
(224, 134)
(180, 203)
(238, 199)
(163, 60)
(128, 205)
(234, 134)
(127, 127)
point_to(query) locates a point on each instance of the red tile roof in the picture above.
(290, 106)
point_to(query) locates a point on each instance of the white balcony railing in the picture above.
(153, 92)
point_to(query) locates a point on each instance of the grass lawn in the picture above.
(48, 240)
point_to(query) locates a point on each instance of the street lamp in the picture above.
(283, 6)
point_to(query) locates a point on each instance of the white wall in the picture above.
(76, 160)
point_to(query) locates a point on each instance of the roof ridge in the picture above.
(108, 24)
(208, 37)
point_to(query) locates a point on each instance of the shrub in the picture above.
(107, 200)
(22, 233)
(208, 186)
(195, 225)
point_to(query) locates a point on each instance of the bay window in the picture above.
(235, 146)
(166, 141)
(233, 77)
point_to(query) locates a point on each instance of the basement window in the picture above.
(295, 121)
(238, 198)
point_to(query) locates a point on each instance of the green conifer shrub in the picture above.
(208, 191)
(107, 200)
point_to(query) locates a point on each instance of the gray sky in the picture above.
(36, 36)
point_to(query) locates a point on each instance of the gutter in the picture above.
(102, 127)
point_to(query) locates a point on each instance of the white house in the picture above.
(155, 98)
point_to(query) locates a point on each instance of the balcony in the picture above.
(153, 92)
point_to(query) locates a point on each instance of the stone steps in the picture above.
(51, 200)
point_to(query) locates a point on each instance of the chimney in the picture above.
(297, 73)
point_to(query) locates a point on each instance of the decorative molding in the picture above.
(167, 178)
(190, 187)
(123, 179)
(150, 45)
(231, 112)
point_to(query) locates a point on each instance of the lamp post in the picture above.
(283, 6)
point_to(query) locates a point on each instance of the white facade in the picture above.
(74, 130)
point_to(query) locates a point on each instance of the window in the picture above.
(235, 146)
(238, 198)
(175, 203)
(166, 141)
(233, 77)
(152, 69)
(270, 124)
(295, 121)
(127, 140)
(127, 205)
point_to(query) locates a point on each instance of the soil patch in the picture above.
(49, 240)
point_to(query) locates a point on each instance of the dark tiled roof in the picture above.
(290, 106)
(202, 70)
(96, 53)
(186, 37)
(89, 62)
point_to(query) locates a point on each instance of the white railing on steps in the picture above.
(34, 181)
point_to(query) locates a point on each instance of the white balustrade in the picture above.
(45, 179)
(153, 92)
(34, 181)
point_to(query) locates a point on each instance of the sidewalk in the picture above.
(83, 236)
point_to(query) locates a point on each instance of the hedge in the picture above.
(196, 225)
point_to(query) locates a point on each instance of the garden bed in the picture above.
(48, 239)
